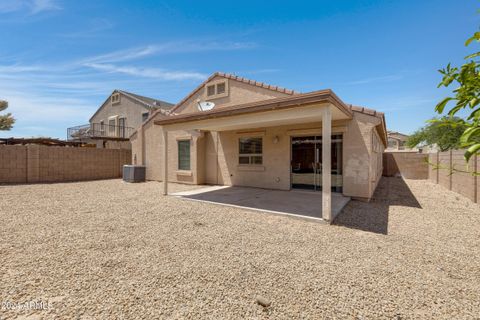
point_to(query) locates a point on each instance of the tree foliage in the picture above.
(444, 132)
(6, 120)
(465, 96)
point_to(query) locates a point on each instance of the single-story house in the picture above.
(238, 132)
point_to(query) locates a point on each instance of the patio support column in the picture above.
(326, 164)
(165, 161)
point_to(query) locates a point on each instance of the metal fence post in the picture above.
(451, 171)
(475, 179)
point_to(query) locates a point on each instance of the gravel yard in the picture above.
(107, 249)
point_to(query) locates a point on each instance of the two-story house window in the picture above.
(121, 127)
(115, 98)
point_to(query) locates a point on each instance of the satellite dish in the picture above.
(205, 105)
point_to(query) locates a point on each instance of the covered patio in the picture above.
(321, 107)
(300, 204)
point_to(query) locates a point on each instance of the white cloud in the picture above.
(148, 72)
(122, 55)
(93, 28)
(166, 48)
(387, 78)
(30, 6)
(7, 6)
(46, 98)
(37, 6)
(16, 68)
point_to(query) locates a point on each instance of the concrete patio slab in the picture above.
(302, 204)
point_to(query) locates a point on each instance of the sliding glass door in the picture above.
(306, 163)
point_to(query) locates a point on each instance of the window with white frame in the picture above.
(217, 89)
(115, 98)
(102, 127)
(121, 127)
(112, 126)
(183, 154)
(250, 151)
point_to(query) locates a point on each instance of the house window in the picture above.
(112, 127)
(115, 98)
(250, 151)
(145, 116)
(183, 155)
(211, 90)
(121, 127)
(221, 88)
(217, 89)
(102, 127)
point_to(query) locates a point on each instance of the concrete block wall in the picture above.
(450, 170)
(33, 163)
(13, 164)
(409, 165)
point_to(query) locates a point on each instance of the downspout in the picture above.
(216, 151)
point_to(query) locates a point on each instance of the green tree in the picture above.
(444, 132)
(466, 96)
(6, 120)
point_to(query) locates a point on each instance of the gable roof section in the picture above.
(263, 105)
(159, 105)
(149, 102)
(382, 128)
(236, 78)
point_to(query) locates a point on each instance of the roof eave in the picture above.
(262, 106)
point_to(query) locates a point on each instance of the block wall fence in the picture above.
(410, 165)
(447, 169)
(450, 170)
(34, 163)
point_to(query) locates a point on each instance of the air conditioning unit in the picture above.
(134, 173)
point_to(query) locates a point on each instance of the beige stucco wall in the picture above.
(147, 146)
(128, 108)
(214, 156)
(239, 92)
(359, 179)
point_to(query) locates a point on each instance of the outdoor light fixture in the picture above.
(276, 139)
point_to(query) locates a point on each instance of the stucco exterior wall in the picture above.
(239, 93)
(214, 155)
(127, 108)
(357, 156)
(147, 146)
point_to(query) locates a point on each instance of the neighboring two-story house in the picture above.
(398, 142)
(116, 119)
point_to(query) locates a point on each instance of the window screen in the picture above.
(184, 154)
(250, 151)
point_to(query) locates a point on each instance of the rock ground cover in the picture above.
(108, 249)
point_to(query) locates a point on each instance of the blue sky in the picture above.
(59, 59)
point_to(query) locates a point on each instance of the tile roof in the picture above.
(236, 78)
(262, 105)
(150, 102)
(368, 111)
(374, 113)
(158, 105)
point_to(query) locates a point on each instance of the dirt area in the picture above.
(107, 249)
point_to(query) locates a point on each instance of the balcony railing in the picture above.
(98, 130)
